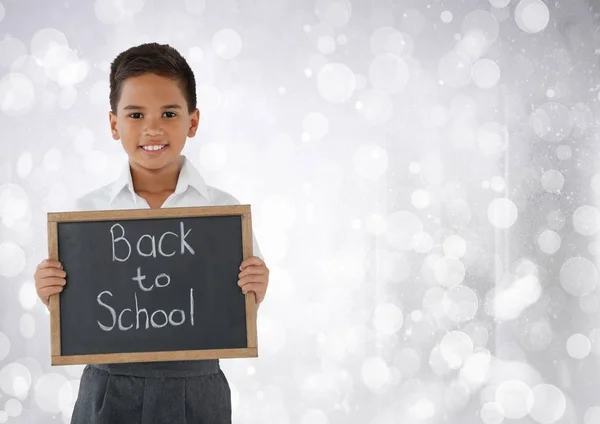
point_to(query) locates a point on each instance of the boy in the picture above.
(153, 111)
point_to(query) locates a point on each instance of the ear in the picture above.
(112, 118)
(194, 122)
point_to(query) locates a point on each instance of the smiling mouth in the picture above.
(154, 147)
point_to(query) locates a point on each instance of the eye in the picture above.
(135, 115)
(170, 114)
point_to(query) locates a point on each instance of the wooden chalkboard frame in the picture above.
(244, 211)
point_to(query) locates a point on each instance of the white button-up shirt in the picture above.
(191, 191)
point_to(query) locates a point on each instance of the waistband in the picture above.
(174, 369)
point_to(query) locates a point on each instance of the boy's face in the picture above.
(153, 122)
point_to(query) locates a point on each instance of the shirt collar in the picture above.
(188, 177)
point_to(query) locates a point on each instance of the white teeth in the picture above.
(153, 148)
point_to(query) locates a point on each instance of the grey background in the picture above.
(424, 183)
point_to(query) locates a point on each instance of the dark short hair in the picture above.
(152, 58)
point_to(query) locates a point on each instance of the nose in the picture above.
(153, 127)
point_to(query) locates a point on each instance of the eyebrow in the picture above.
(135, 107)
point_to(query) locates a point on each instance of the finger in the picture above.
(258, 292)
(50, 272)
(250, 279)
(253, 270)
(46, 292)
(253, 260)
(49, 263)
(253, 287)
(51, 281)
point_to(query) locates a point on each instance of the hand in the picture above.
(49, 279)
(254, 277)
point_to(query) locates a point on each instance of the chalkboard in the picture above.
(151, 285)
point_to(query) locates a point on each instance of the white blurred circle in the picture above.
(578, 346)
(502, 213)
(449, 271)
(375, 225)
(49, 46)
(28, 295)
(389, 73)
(420, 199)
(446, 16)
(402, 227)
(422, 243)
(564, 152)
(336, 82)
(595, 183)
(460, 304)
(549, 242)
(24, 165)
(592, 415)
(481, 22)
(492, 413)
(586, 220)
(13, 259)
(578, 276)
(370, 161)
(553, 181)
(486, 73)
(52, 160)
(454, 246)
(388, 40)
(455, 348)
(515, 398)
(15, 380)
(335, 13)
(27, 326)
(13, 407)
(11, 51)
(4, 346)
(2, 12)
(376, 106)
(500, 4)
(549, 404)
(326, 45)
(227, 43)
(316, 125)
(17, 94)
(552, 122)
(532, 16)
(387, 319)
(213, 156)
(47, 392)
(107, 11)
(375, 373)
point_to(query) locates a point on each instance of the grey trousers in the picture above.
(109, 397)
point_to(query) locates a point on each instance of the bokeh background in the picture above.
(424, 184)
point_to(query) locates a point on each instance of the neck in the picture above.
(155, 180)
